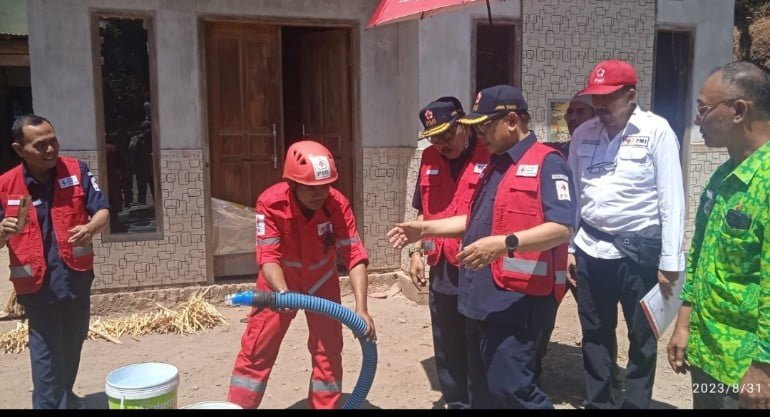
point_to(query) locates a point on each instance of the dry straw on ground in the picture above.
(191, 317)
(12, 308)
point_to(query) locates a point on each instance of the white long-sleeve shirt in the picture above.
(629, 182)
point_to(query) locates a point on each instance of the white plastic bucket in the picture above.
(213, 405)
(150, 385)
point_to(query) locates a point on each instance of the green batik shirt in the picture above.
(728, 271)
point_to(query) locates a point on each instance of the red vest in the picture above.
(68, 209)
(518, 206)
(307, 249)
(444, 197)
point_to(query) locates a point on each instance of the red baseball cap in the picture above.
(610, 76)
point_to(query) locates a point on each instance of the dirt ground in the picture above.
(405, 373)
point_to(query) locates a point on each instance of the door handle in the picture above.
(275, 147)
(303, 130)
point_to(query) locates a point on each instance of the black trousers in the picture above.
(602, 283)
(56, 335)
(501, 355)
(449, 348)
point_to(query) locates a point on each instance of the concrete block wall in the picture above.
(703, 162)
(180, 257)
(563, 40)
(386, 174)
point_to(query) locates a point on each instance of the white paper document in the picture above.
(660, 311)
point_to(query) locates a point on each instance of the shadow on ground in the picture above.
(304, 404)
(429, 366)
(562, 377)
(95, 401)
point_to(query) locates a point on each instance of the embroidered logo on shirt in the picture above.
(67, 182)
(321, 167)
(479, 168)
(323, 228)
(562, 190)
(430, 171)
(260, 224)
(636, 140)
(526, 171)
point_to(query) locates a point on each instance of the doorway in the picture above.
(498, 51)
(269, 86)
(15, 102)
(673, 72)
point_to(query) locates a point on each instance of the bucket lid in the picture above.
(141, 376)
(214, 405)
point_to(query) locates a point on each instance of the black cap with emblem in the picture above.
(496, 101)
(440, 115)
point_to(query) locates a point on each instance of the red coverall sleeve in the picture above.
(350, 248)
(268, 235)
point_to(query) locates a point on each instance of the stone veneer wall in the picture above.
(409, 212)
(388, 181)
(702, 162)
(180, 257)
(562, 41)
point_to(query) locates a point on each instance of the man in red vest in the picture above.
(51, 207)
(514, 251)
(303, 224)
(449, 173)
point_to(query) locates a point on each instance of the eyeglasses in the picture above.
(603, 167)
(444, 137)
(482, 128)
(705, 109)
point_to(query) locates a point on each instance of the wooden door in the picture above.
(325, 98)
(244, 103)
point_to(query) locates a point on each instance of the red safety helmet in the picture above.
(309, 163)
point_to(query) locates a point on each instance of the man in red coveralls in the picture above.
(302, 225)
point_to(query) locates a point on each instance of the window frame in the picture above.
(149, 18)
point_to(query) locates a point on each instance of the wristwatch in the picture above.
(415, 249)
(511, 243)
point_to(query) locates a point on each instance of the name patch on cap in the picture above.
(321, 167)
(526, 171)
(479, 168)
(67, 182)
(636, 140)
